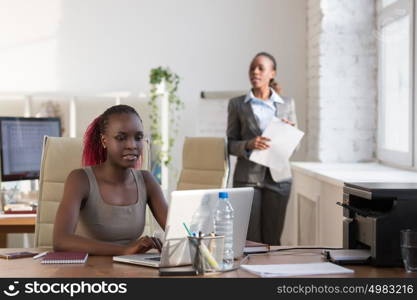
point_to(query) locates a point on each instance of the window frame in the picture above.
(386, 16)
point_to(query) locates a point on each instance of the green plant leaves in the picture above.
(172, 80)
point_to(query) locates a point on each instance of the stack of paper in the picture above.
(284, 140)
(288, 270)
(255, 247)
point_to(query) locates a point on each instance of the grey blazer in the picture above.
(241, 127)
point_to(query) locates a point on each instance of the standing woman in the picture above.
(248, 117)
(109, 195)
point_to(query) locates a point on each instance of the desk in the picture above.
(103, 266)
(15, 224)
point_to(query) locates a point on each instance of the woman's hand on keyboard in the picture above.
(144, 244)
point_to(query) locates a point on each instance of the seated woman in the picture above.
(109, 196)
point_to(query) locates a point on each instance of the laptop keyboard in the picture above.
(156, 258)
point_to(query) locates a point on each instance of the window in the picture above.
(396, 82)
(385, 3)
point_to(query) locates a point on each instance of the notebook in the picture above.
(65, 258)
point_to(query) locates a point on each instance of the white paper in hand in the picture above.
(284, 140)
(283, 174)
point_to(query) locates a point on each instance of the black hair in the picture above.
(272, 83)
(115, 110)
(266, 54)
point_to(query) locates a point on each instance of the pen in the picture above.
(40, 255)
(186, 228)
(204, 251)
(211, 243)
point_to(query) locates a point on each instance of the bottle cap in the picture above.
(223, 195)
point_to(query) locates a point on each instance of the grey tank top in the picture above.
(114, 223)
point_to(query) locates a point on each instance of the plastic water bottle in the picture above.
(223, 223)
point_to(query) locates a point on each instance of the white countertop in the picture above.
(338, 173)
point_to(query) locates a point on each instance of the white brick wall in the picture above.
(342, 62)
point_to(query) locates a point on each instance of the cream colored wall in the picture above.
(12, 107)
(64, 107)
(87, 110)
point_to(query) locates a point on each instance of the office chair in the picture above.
(60, 156)
(205, 164)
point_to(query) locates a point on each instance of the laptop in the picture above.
(183, 206)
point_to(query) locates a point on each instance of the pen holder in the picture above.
(206, 253)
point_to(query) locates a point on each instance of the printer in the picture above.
(374, 214)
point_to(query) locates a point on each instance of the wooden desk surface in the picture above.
(103, 266)
(15, 224)
(17, 221)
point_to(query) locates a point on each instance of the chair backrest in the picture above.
(60, 156)
(205, 163)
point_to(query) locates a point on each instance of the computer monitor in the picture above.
(21, 143)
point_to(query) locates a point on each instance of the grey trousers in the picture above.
(268, 210)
